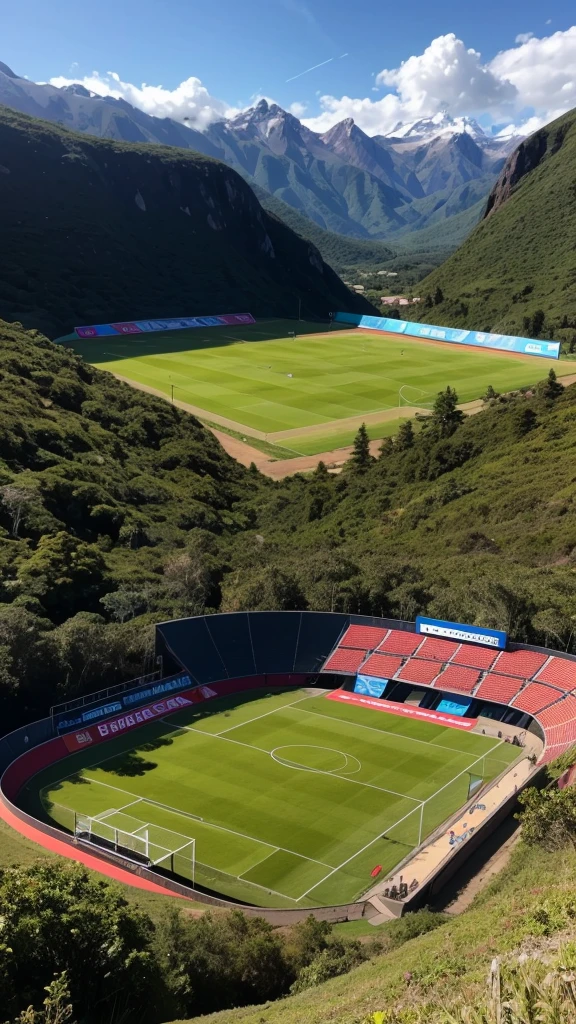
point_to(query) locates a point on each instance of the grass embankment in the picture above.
(534, 896)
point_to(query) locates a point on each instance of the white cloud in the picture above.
(298, 109)
(190, 99)
(543, 72)
(523, 37)
(529, 84)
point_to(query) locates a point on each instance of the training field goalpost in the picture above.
(139, 845)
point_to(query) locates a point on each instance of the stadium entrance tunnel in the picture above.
(207, 660)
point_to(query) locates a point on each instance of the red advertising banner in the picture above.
(406, 710)
(124, 723)
(116, 726)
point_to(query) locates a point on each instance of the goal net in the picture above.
(147, 844)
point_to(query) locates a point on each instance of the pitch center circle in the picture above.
(308, 757)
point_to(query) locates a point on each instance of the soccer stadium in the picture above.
(305, 387)
(296, 761)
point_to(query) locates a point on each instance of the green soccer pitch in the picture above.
(261, 378)
(292, 799)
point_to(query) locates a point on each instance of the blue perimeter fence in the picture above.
(478, 339)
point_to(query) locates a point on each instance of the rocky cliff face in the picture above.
(97, 231)
(523, 160)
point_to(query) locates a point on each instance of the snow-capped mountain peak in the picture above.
(438, 124)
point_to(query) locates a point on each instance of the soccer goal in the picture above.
(146, 844)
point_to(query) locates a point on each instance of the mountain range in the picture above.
(516, 272)
(95, 231)
(419, 176)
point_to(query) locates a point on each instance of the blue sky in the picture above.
(242, 50)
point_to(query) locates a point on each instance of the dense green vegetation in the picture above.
(95, 231)
(520, 260)
(104, 495)
(118, 510)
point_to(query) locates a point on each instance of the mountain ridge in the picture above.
(343, 180)
(516, 272)
(96, 231)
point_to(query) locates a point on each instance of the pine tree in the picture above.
(438, 296)
(490, 394)
(386, 448)
(404, 437)
(361, 457)
(446, 417)
(551, 388)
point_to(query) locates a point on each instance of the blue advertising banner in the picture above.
(461, 633)
(455, 706)
(371, 686)
(70, 720)
(479, 339)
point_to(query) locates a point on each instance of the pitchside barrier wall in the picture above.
(170, 324)
(21, 760)
(479, 339)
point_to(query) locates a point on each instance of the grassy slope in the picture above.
(445, 965)
(96, 231)
(333, 377)
(526, 242)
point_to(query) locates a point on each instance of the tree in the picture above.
(548, 817)
(59, 919)
(551, 388)
(56, 1006)
(446, 417)
(404, 437)
(537, 323)
(386, 448)
(15, 499)
(524, 421)
(187, 580)
(490, 395)
(361, 459)
(65, 573)
(438, 296)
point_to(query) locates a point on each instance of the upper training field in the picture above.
(261, 379)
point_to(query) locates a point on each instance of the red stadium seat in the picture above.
(523, 664)
(384, 666)
(455, 677)
(399, 642)
(557, 714)
(535, 697)
(559, 672)
(498, 688)
(475, 657)
(345, 659)
(419, 671)
(436, 649)
(367, 637)
(565, 733)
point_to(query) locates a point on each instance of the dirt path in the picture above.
(277, 470)
(479, 882)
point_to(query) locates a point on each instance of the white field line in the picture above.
(116, 810)
(249, 720)
(357, 854)
(221, 828)
(386, 732)
(316, 771)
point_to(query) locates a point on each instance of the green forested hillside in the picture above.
(107, 497)
(95, 231)
(118, 510)
(521, 258)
